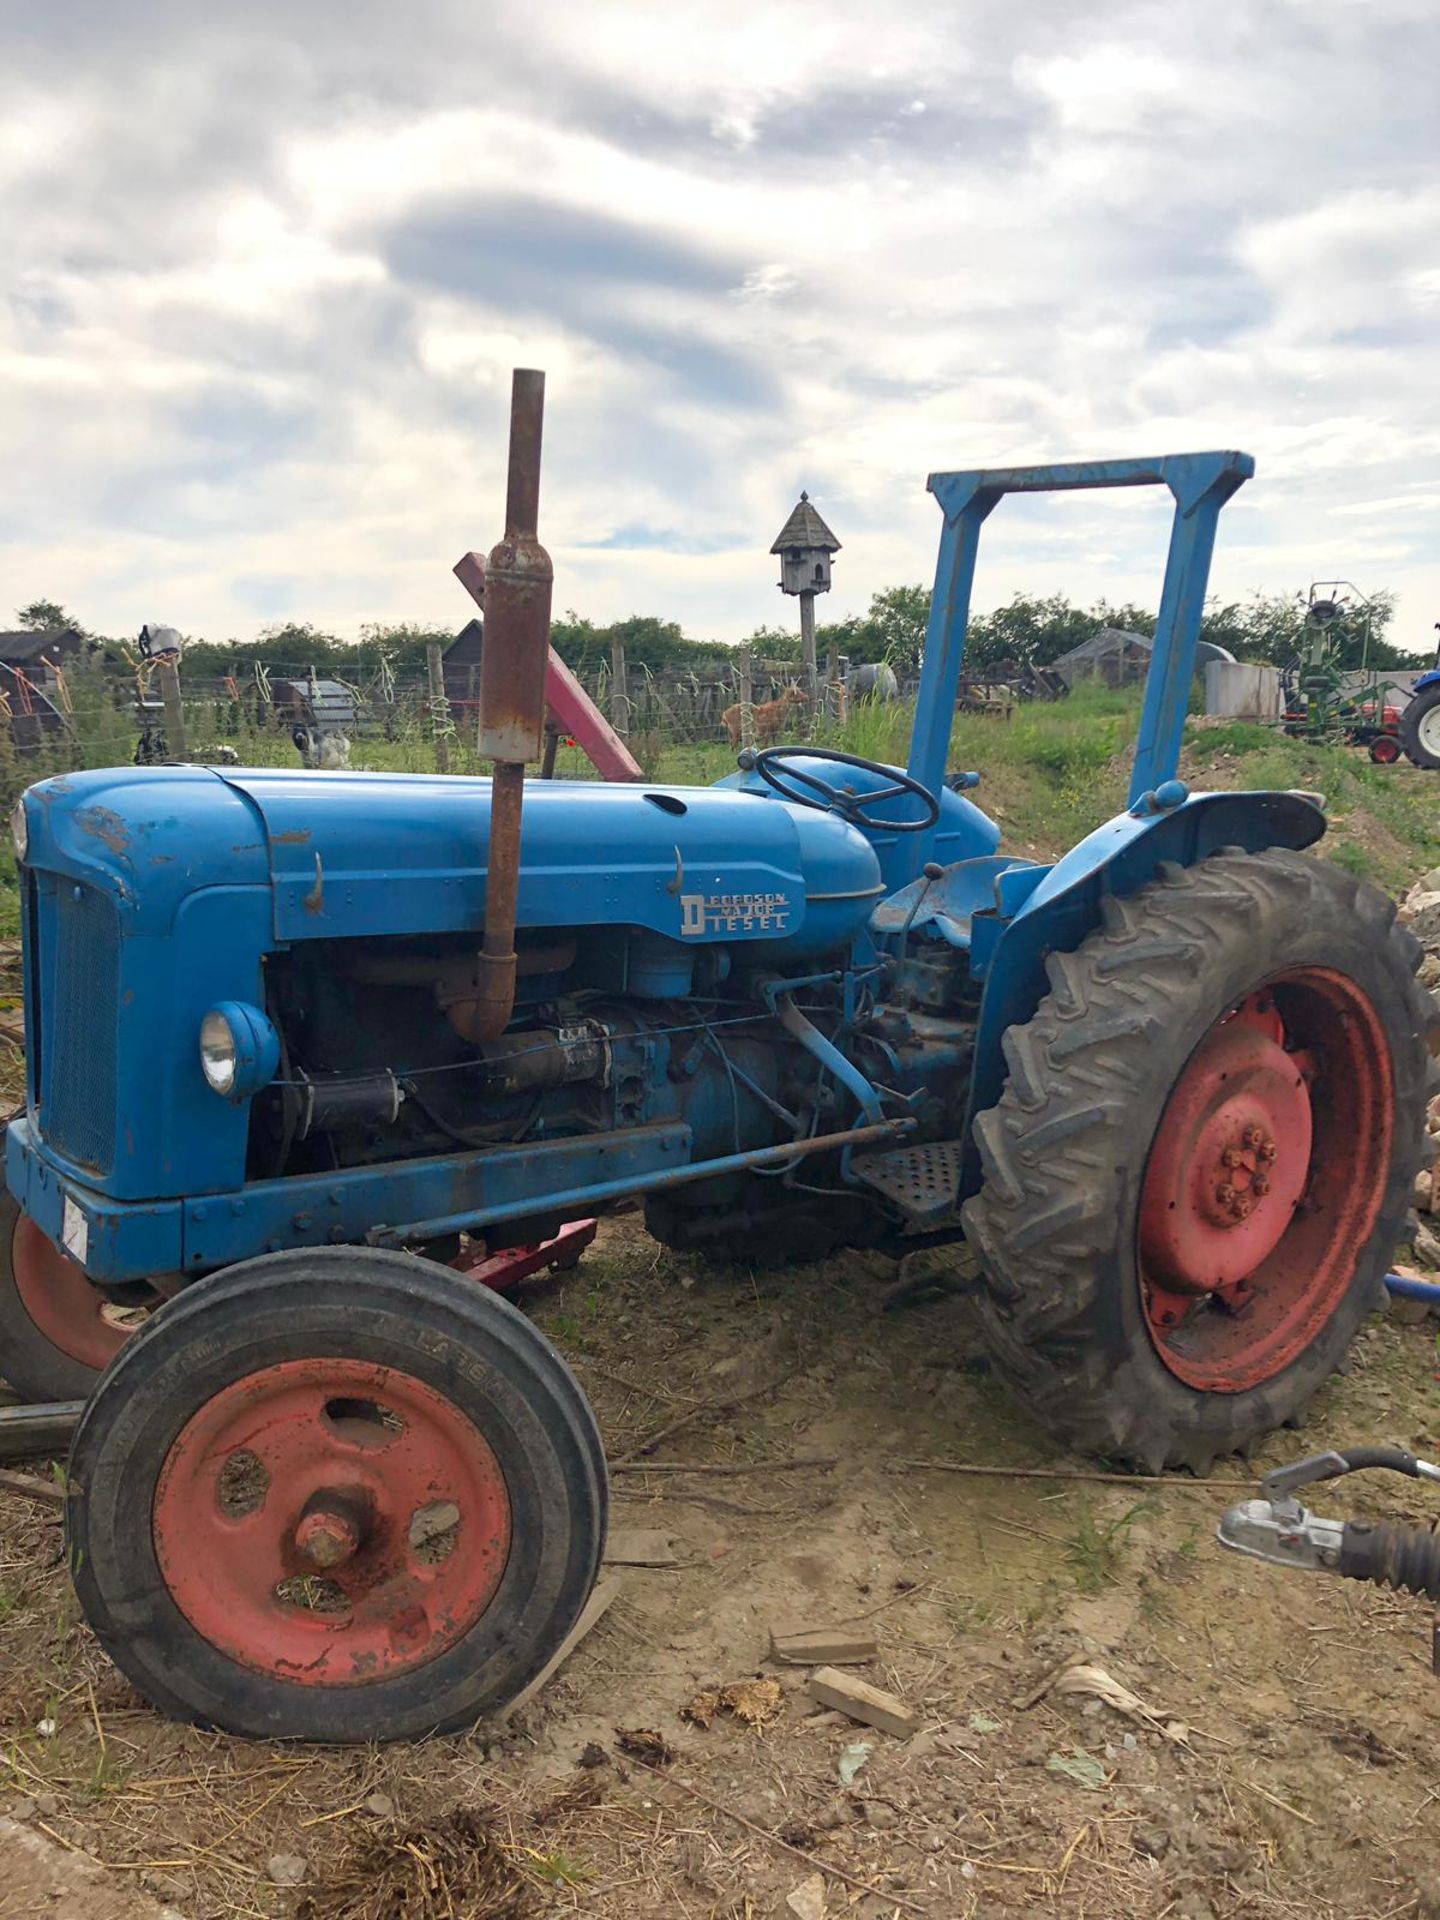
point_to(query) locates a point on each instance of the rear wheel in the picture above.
(1203, 1157)
(337, 1496)
(1420, 727)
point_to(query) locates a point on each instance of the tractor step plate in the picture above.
(924, 1182)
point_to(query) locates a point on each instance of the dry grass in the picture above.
(450, 1868)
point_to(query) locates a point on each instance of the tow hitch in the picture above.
(1279, 1529)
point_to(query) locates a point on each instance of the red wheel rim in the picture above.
(1265, 1179)
(331, 1522)
(74, 1317)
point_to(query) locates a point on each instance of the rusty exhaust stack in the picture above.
(513, 664)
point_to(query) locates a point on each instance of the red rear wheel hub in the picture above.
(74, 1317)
(331, 1522)
(1265, 1179)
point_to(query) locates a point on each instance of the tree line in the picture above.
(1029, 630)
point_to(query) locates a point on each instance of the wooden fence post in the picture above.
(440, 724)
(619, 692)
(807, 652)
(169, 675)
(747, 700)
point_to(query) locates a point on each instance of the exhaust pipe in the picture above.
(513, 664)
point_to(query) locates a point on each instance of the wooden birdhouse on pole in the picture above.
(805, 545)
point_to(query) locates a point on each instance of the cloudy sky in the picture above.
(265, 272)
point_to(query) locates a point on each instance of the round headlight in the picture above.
(239, 1049)
(20, 830)
(218, 1051)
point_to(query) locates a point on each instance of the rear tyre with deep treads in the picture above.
(1203, 1157)
(1420, 727)
(337, 1496)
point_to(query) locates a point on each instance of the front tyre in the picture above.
(339, 1496)
(1203, 1157)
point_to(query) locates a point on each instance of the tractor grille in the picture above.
(77, 1069)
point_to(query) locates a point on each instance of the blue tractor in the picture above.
(298, 1040)
(1420, 721)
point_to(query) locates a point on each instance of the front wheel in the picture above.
(338, 1496)
(1420, 727)
(1203, 1156)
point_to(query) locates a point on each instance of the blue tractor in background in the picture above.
(1420, 720)
(296, 1040)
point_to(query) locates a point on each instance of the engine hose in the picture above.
(489, 1136)
(1406, 1558)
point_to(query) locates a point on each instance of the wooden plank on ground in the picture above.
(823, 1647)
(862, 1702)
(32, 1487)
(596, 1608)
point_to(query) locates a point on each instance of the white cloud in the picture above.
(264, 279)
(1106, 89)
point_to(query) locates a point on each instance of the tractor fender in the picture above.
(1431, 679)
(1118, 858)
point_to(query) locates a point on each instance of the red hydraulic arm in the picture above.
(571, 708)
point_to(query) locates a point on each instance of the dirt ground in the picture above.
(1285, 1767)
(1280, 1762)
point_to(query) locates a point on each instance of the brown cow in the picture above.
(770, 716)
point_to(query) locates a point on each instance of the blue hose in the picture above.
(1405, 1288)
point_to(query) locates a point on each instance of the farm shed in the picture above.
(34, 653)
(461, 663)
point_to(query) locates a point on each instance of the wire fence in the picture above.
(90, 715)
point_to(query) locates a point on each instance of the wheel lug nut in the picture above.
(1260, 1185)
(326, 1537)
(1243, 1208)
(1252, 1137)
(1231, 1157)
(1225, 1193)
(1267, 1150)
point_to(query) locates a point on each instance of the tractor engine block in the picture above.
(378, 1065)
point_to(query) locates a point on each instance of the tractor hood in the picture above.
(363, 854)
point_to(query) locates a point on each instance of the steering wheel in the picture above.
(773, 764)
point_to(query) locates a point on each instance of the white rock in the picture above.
(807, 1901)
(1424, 913)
